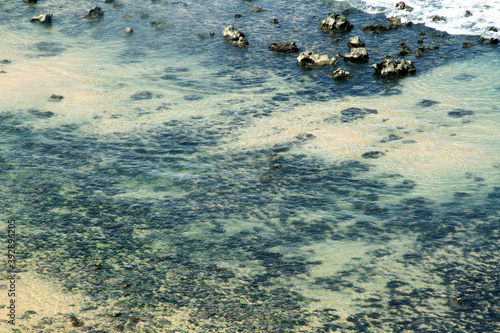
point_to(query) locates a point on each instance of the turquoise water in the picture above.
(228, 190)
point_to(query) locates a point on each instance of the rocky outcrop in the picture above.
(314, 59)
(355, 42)
(357, 54)
(236, 37)
(375, 28)
(284, 47)
(340, 74)
(392, 68)
(94, 14)
(402, 6)
(44, 18)
(335, 22)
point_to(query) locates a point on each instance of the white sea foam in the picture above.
(484, 14)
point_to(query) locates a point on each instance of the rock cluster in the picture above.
(335, 22)
(94, 14)
(357, 52)
(390, 67)
(236, 37)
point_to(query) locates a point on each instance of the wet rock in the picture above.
(30, 1)
(241, 42)
(468, 13)
(392, 68)
(283, 47)
(405, 49)
(44, 18)
(492, 28)
(56, 97)
(355, 42)
(94, 14)
(313, 59)
(420, 41)
(340, 74)
(128, 30)
(142, 95)
(335, 22)
(160, 24)
(459, 113)
(402, 6)
(358, 54)
(274, 21)
(421, 33)
(258, 10)
(232, 33)
(420, 51)
(395, 22)
(375, 28)
(201, 36)
(372, 154)
(437, 18)
(492, 41)
(143, 15)
(346, 12)
(238, 16)
(467, 44)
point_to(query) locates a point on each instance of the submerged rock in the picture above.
(373, 154)
(160, 24)
(43, 18)
(142, 95)
(459, 113)
(283, 47)
(391, 68)
(30, 1)
(358, 54)
(355, 42)
(94, 14)
(375, 28)
(313, 59)
(340, 74)
(335, 22)
(405, 49)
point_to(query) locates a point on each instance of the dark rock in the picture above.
(425, 103)
(340, 74)
(94, 14)
(283, 47)
(420, 51)
(313, 59)
(241, 42)
(468, 13)
(232, 33)
(335, 22)
(375, 28)
(467, 44)
(355, 42)
(305, 136)
(274, 21)
(160, 24)
(492, 28)
(109, 1)
(372, 154)
(5, 61)
(238, 16)
(30, 1)
(212, 34)
(346, 12)
(44, 18)
(56, 97)
(420, 41)
(258, 10)
(401, 5)
(357, 54)
(391, 68)
(128, 30)
(459, 113)
(436, 18)
(142, 95)
(405, 49)
(421, 33)
(492, 41)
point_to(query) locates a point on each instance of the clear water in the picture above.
(207, 204)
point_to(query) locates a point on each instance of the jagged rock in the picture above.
(357, 54)
(340, 74)
(375, 28)
(312, 59)
(201, 36)
(468, 13)
(492, 28)
(232, 33)
(336, 22)
(437, 18)
(241, 42)
(128, 30)
(355, 42)
(401, 5)
(283, 47)
(94, 14)
(238, 16)
(44, 18)
(390, 67)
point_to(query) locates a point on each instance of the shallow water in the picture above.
(229, 190)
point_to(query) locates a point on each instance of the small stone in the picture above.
(492, 41)
(420, 41)
(44, 18)
(274, 21)
(340, 74)
(241, 42)
(6, 61)
(143, 15)
(127, 16)
(312, 59)
(30, 1)
(56, 97)
(142, 95)
(97, 266)
(258, 10)
(345, 12)
(492, 28)
(375, 28)
(468, 13)
(238, 16)
(467, 44)
(421, 33)
(201, 36)
(284, 47)
(305, 136)
(128, 30)
(160, 24)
